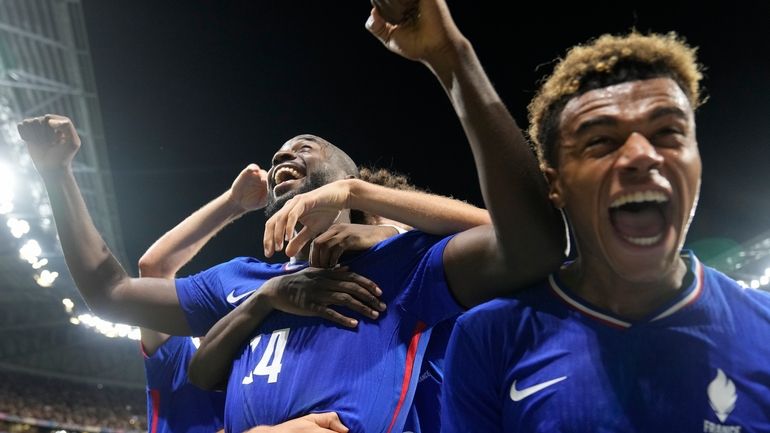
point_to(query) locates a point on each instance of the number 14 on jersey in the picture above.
(270, 363)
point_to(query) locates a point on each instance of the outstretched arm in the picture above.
(527, 240)
(179, 245)
(318, 209)
(106, 287)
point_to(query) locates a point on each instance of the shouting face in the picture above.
(628, 176)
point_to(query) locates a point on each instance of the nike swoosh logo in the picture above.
(232, 298)
(517, 395)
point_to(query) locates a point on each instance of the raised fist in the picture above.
(51, 139)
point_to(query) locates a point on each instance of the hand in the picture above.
(317, 210)
(51, 140)
(326, 249)
(249, 189)
(397, 11)
(311, 291)
(314, 423)
(429, 34)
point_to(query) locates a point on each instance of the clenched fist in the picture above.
(51, 140)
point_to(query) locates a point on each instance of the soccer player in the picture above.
(635, 334)
(368, 376)
(173, 403)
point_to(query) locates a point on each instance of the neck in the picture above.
(304, 253)
(632, 300)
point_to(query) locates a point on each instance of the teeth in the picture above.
(640, 197)
(285, 173)
(644, 241)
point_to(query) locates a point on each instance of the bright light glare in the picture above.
(764, 279)
(6, 189)
(18, 228)
(754, 284)
(46, 278)
(39, 264)
(68, 304)
(108, 329)
(30, 251)
(742, 284)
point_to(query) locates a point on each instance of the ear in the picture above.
(555, 191)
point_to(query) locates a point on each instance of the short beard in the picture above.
(315, 180)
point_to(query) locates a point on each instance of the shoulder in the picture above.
(508, 311)
(735, 294)
(405, 247)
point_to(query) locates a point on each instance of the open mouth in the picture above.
(285, 175)
(641, 218)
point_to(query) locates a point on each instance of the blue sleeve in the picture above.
(162, 366)
(427, 293)
(469, 400)
(203, 298)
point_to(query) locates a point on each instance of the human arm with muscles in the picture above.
(178, 246)
(106, 287)
(527, 238)
(318, 209)
(109, 291)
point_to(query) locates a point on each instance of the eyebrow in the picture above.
(596, 121)
(611, 121)
(667, 111)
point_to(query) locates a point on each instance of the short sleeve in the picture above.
(427, 294)
(202, 298)
(469, 398)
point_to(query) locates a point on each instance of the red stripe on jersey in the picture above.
(155, 398)
(411, 353)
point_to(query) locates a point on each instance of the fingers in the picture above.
(333, 316)
(377, 26)
(36, 130)
(298, 242)
(327, 248)
(329, 420)
(362, 289)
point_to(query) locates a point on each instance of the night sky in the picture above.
(192, 91)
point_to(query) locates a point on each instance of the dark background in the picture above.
(192, 91)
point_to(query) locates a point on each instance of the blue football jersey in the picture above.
(295, 365)
(545, 360)
(174, 405)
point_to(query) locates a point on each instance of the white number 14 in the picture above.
(270, 363)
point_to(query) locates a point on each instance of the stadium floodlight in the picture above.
(754, 284)
(39, 264)
(763, 280)
(18, 227)
(107, 328)
(68, 304)
(742, 284)
(46, 278)
(30, 251)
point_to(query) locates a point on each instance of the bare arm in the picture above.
(104, 284)
(179, 245)
(318, 209)
(527, 239)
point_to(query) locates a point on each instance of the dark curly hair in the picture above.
(386, 178)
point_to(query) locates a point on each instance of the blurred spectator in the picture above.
(67, 403)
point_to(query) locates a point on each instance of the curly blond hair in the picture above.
(603, 62)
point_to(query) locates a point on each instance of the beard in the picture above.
(311, 182)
